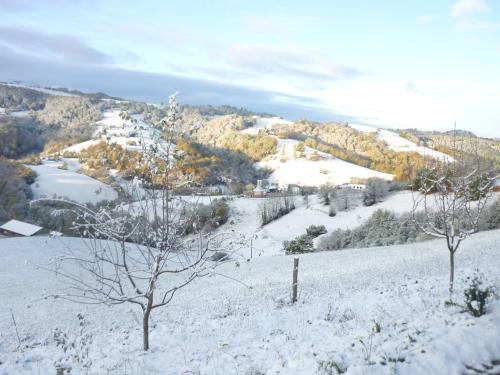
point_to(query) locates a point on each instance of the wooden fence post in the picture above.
(295, 279)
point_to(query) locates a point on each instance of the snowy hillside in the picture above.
(309, 167)
(262, 123)
(240, 320)
(114, 130)
(400, 144)
(312, 167)
(268, 240)
(52, 181)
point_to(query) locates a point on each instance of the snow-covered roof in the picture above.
(20, 227)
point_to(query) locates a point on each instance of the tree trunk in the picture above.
(145, 322)
(452, 270)
(145, 329)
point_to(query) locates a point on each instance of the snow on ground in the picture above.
(291, 168)
(242, 322)
(310, 168)
(268, 240)
(400, 144)
(115, 130)
(262, 123)
(67, 183)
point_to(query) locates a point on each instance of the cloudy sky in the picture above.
(411, 63)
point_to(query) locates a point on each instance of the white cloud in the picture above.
(427, 104)
(464, 8)
(288, 63)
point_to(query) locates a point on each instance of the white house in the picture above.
(20, 228)
(259, 191)
(353, 186)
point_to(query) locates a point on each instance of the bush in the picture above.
(301, 244)
(315, 230)
(491, 218)
(476, 298)
(331, 367)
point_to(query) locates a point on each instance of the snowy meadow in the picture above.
(377, 311)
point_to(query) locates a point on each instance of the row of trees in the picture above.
(12, 97)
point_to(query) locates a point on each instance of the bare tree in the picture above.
(344, 199)
(376, 190)
(137, 251)
(451, 197)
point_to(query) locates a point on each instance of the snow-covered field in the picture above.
(115, 130)
(68, 183)
(310, 168)
(262, 123)
(398, 143)
(290, 168)
(268, 240)
(243, 323)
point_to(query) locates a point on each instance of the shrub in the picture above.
(491, 219)
(315, 230)
(476, 298)
(331, 367)
(480, 186)
(301, 244)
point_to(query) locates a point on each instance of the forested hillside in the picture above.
(215, 144)
(486, 148)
